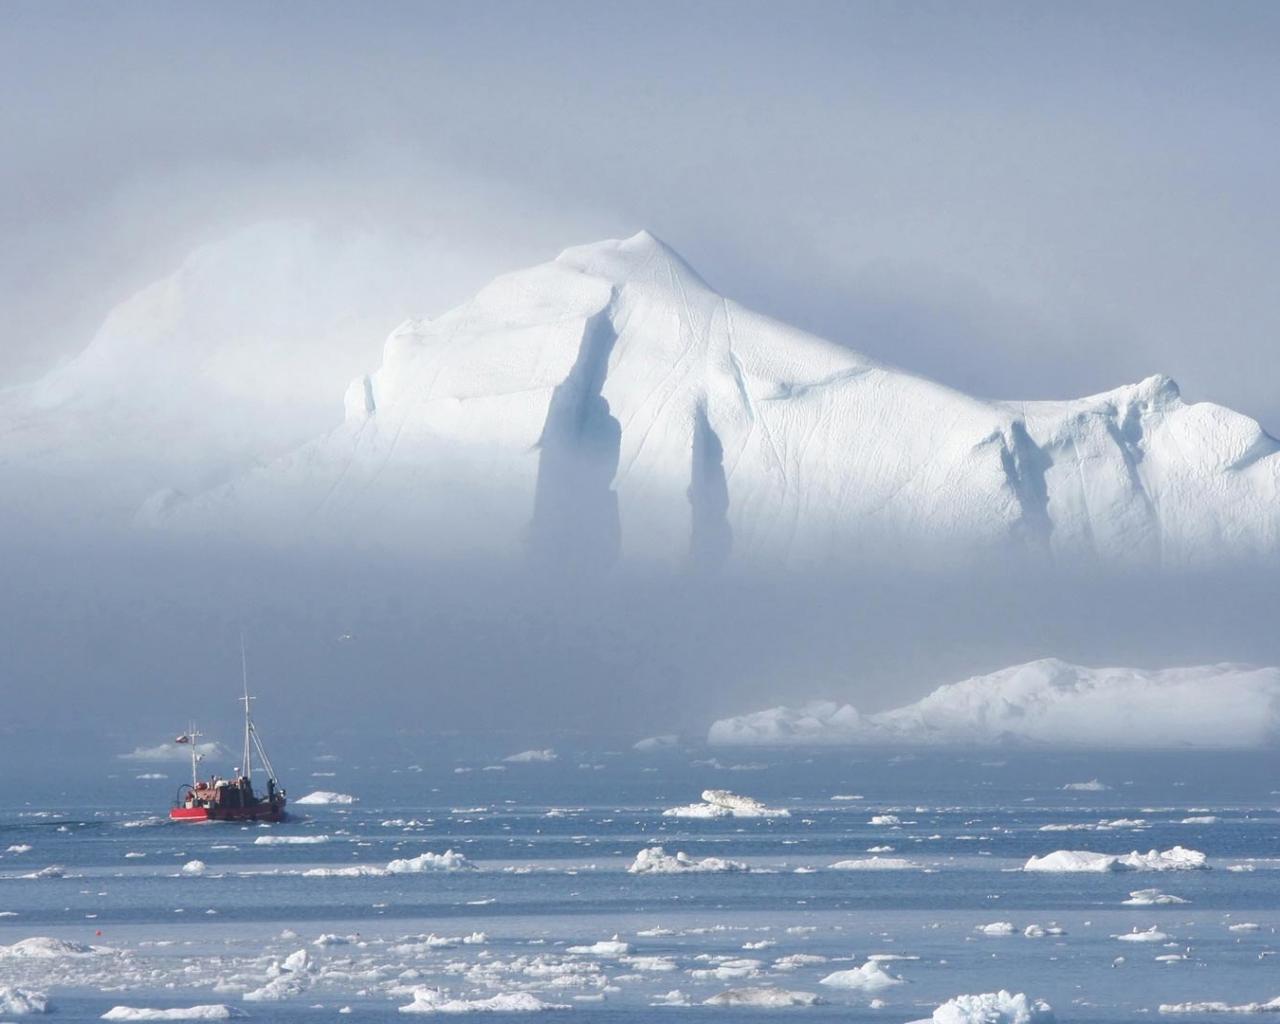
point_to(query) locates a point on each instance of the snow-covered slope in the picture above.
(1049, 703)
(610, 405)
(236, 357)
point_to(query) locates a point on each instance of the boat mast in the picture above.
(247, 763)
(192, 737)
(251, 739)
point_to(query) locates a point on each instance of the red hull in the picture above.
(265, 813)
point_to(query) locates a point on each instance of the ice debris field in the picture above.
(662, 883)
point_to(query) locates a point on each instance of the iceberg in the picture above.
(992, 1008)
(215, 1011)
(870, 977)
(656, 861)
(766, 997)
(1270, 1006)
(434, 1000)
(22, 1001)
(1176, 858)
(532, 757)
(720, 803)
(324, 796)
(590, 405)
(1045, 703)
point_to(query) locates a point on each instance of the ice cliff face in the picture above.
(609, 406)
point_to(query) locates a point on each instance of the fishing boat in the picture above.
(233, 799)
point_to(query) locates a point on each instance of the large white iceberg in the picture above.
(208, 1011)
(1046, 703)
(613, 403)
(22, 1001)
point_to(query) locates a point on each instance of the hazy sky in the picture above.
(1023, 200)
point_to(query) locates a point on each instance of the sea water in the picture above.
(538, 908)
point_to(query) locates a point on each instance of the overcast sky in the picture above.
(1024, 200)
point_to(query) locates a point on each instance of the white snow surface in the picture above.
(617, 403)
(1176, 858)
(1046, 703)
(993, 1008)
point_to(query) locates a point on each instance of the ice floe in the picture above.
(720, 803)
(992, 1008)
(324, 796)
(435, 1000)
(1151, 898)
(22, 1001)
(450, 860)
(1271, 1006)
(655, 860)
(766, 997)
(870, 977)
(875, 864)
(1152, 934)
(1176, 858)
(289, 840)
(208, 1011)
(532, 757)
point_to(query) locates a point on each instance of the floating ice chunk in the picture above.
(870, 977)
(214, 1011)
(434, 1000)
(42, 947)
(1150, 898)
(1201, 819)
(532, 757)
(875, 864)
(720, 803)
(885, 819)
(1152, 934)
(194, 867)
(1271, 1006)
(20, 1001)
(1176, 858)
(655, 860)
(992, 1008)
(18, 848)
(450, 860)
(1244, 926)
(52, 871)
(1092, 786)
(289, 840)
(605, 947)
(324, 796)
(767, 996)
(998, 928)
(667, 741)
